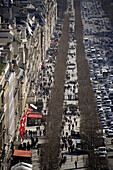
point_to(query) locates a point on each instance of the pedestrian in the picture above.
(76, 164)
(26, 134)
(62, 127)
(44, 131)
(32, 142)
(28, 146)
(62, 138)
(60, 164)
(40, 133)
(69, 149)
(31, 134)
(66, 134)
(37, 139)
(76, 123)
(69, 127)
(62, 147)
(66, 146)
(65, 158)
(38, 152)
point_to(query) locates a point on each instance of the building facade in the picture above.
(25, 31)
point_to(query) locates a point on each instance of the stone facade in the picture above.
(25, 32)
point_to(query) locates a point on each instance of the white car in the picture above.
(102, 154)
(110, 133)
(102, 151)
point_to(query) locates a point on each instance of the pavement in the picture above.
(71, 158)
(46, 81)
(69, 119)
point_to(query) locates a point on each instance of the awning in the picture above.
(35, 113)
(22, 153)
(32, 116)
(22, 166)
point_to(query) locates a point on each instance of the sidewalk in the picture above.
(35, 154)
(71, 121)
(46, 81)
(71, 158)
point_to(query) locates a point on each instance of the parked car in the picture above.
(79, 144)
(75, 135)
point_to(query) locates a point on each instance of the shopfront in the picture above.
(34, 119)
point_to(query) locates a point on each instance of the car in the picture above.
(111, 141)
(75, 135)
(107, 109)
(101, 111)
(105, 97)
(110, 133)
(102, 118)
(103, 122)
(106, 131)
(111, 117)
(108, 122)
(79, 144)
(104, 93)
(105, 126)
(99, 106)
(102, 154)
(102, 151)
(111, 127)
(99, 99)
(111, 123)
(98, 92)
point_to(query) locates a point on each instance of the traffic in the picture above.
(98, 42)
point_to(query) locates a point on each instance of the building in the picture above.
(25, 31)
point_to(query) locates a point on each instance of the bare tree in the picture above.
(90, 128)
(51, 147)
